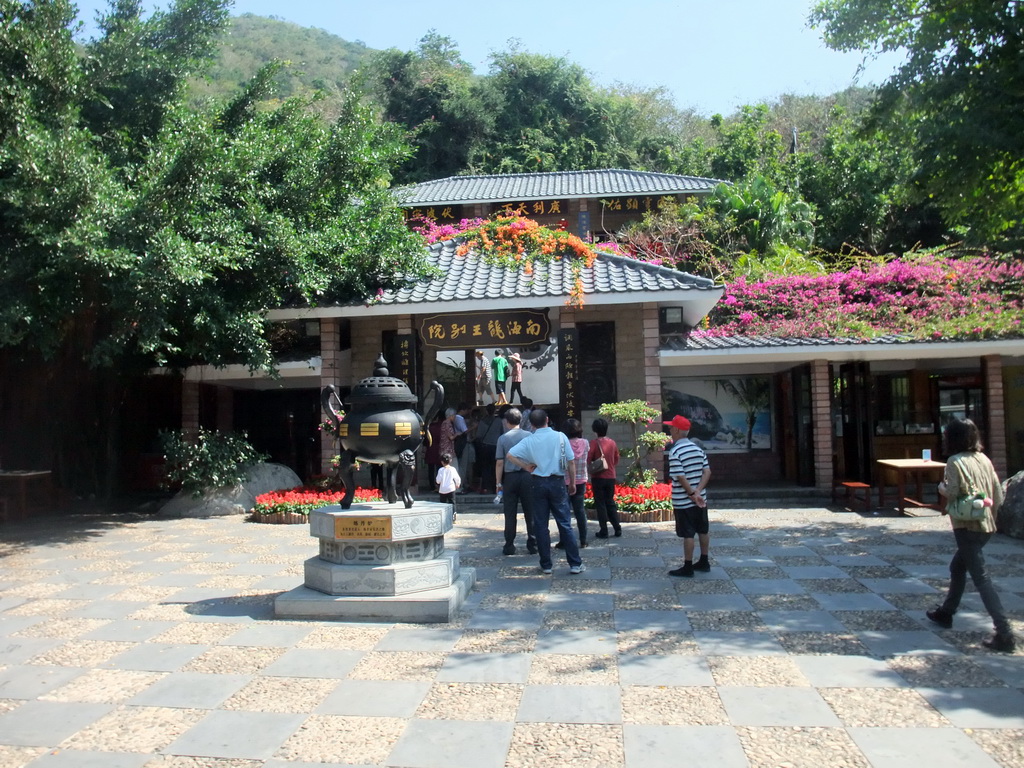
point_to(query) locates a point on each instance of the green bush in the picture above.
(211, 460)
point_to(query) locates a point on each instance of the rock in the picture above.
(233, 500)
(1011, 514)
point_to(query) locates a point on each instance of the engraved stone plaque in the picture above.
(362, 527)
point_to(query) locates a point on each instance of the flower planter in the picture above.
(658, 495)
(281, 518)
(650, 516)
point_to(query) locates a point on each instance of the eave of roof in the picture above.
(728, 350)
(469, 282)
(466, 190)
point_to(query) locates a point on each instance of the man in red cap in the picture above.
(690, 472)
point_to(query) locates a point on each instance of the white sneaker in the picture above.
(577, 569)
(546, 571)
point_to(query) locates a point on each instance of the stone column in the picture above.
(995, 411)
(821, 424)
(652, 359)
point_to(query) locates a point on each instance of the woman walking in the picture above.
(970, 469)
(515, 376)
(603, 482)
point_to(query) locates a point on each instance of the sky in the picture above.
(711, 55)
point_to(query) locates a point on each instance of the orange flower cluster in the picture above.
(516, 242)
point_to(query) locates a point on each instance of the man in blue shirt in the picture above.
(548, 456)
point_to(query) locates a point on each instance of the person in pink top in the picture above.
(515, 376)
(574, 431)
(603, 483)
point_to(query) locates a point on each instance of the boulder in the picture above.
(1011, 514)
(236, 499)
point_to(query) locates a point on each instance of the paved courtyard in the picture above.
(135, 641)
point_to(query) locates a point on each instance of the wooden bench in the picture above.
(850, 490)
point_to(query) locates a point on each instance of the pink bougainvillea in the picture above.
(925, 297)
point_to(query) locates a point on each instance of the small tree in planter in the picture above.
(638, 415)
(210, 460)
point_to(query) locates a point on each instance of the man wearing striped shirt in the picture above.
(690, 472)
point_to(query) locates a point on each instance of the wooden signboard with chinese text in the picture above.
(404, 357)
(569, 371)
(483, 330)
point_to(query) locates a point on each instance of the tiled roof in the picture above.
(698, 342)
(549, 186)
(470, 277)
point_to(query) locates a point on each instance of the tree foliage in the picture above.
(168, 231)
(434, 95)
(961, 87)
(136, 230)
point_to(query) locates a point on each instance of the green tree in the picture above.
(859, 183)
(747, 146)
(432, 93)
(136, 231)
(757, 217)
(548, 116)
(961, 86)
(637, 415)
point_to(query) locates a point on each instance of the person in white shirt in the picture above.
(448, 481)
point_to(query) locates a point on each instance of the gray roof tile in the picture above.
(699, 342)
(472, 277)
(550, 186)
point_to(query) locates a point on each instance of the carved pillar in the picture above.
(330, 356)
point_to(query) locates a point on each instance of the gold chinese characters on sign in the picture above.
(639, 204)
(535, 208)
(362, 527)
(478, 330)
(441, 214)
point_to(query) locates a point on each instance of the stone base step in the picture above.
(428, 607)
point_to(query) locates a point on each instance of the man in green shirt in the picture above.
(500, 367)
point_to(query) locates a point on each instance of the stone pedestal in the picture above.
(380, 562)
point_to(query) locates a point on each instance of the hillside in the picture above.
(318, 59)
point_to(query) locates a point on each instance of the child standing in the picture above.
(448, 481)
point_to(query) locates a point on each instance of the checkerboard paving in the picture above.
(144, 642)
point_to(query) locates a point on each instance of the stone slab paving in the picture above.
(151, 643)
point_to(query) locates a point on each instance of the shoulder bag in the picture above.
(600, 464)
(970, 504)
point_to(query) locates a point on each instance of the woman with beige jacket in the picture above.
(968, 467)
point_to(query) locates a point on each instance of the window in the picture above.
(597, 364)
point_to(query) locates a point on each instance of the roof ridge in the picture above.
(657, 268)
(466, 177)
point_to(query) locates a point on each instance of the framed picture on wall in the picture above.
(729, 414)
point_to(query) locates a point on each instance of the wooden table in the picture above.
(903, 468)
(20, 479)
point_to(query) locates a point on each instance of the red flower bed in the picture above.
(639, 499)
(303, 500)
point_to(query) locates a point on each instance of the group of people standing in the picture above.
(545, 474)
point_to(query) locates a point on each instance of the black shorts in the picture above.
(691, 521)
(499, 387)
